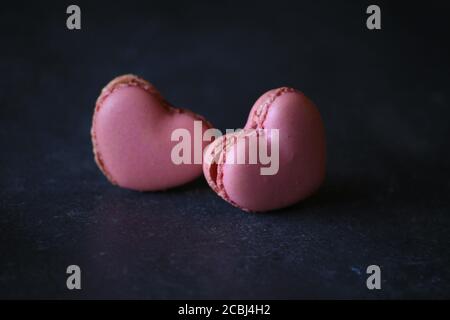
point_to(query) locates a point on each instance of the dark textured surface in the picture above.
(384, 97)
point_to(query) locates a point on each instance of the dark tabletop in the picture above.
(384, 96)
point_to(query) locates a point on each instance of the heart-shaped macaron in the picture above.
(301, 143)
(132, 136)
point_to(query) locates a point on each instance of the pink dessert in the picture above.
(301, 154)
(131, 136)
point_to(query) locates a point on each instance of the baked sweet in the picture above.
(131, 136)
(301, 154)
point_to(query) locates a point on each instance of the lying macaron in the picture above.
(301, 154)
(131, 136)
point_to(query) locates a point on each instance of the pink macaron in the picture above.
(131, 136)
(302, 153)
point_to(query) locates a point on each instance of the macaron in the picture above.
(131, 136)
(301, 154)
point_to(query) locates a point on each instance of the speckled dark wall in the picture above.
(384, 98)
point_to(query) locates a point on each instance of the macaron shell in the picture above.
(301, 161)
(132, 140)
(215, 156)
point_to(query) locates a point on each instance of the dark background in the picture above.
(384, 98)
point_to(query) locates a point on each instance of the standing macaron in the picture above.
(301, 148)
(131, 136)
